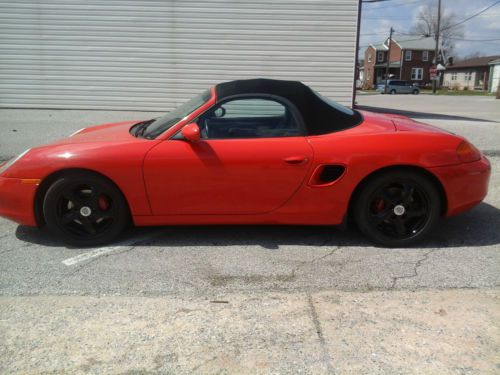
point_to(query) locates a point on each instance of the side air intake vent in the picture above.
(331, 173)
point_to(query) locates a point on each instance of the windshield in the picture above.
(165, 122)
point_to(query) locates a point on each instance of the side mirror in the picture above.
(220, 112)
(191, 132)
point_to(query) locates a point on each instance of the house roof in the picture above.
(380, 46)
(409, 42)
(416, 43)
(473, 63)
(494, 62)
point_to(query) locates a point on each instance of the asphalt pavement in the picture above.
(256, 299)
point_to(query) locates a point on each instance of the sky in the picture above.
(377, 18)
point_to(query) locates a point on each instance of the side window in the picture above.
(248, 118)
(380, 56)
(252, 108)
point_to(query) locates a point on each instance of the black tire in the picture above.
(393, 92)
(84, 209)
(415, 92)
(378, 214)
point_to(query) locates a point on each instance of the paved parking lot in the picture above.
(209, 261)
(257, 299)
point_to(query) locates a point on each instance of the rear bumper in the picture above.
(17, 200)
(465, 184)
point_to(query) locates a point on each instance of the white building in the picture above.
(154, 54)
(494, 75)
(469, 74)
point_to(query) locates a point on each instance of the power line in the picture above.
(394, 5)
(381, 33)
(412, 34)
(474, 15)
(476, 40)
(392, 18)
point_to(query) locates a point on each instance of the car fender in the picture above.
(124, 171)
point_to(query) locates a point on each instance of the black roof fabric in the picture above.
(319, 116)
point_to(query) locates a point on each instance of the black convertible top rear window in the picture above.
(320, 114)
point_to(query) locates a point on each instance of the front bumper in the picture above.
(17, 197)
(465, 184)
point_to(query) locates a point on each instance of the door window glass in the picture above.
(248, 118)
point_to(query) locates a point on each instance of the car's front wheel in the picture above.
(397, 208)
(393, 92)
(84, 209)
(415, 92)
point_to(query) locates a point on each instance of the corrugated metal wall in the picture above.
(154, 54)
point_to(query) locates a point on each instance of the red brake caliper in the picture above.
(103, 203)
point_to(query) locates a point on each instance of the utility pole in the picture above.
(388, 60)
(436, 50)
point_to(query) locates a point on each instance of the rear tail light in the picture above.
(467, 153)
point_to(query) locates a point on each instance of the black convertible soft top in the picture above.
(320, 116)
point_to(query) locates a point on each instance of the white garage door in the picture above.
(153, 54)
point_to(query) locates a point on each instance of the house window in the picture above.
(380, 56)
(425, 56)
(417, 74)
(454, 76)
(407, 55)
(468, 76)
(369, 57)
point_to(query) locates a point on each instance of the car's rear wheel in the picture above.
(397, 208)
(393, 92)
(84, 209)
(415, 92)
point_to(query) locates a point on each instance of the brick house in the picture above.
(469, 74)
(410, 60)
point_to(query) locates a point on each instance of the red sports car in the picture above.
(248, 152)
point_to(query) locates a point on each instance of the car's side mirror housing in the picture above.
(191, 132)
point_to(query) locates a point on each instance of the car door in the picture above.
(251, 159)
(404, 87)
(396, 85)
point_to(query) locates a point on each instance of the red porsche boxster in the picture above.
(248, 152)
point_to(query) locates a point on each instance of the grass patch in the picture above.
(457, 92)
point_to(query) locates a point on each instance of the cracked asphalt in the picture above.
(255, 299)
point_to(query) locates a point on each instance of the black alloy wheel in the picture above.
(85, 209)
(415, 92)
(397, 208)
(393, 92)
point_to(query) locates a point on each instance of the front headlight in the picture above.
(9, 163)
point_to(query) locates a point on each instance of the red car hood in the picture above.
(114, 132)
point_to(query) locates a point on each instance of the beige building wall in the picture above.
(495, 78)
(459, 80)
